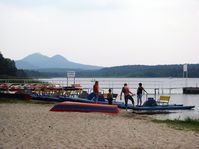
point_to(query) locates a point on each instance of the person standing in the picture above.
(96, 91)
(110, 97)
(127, 95)
(139, 94)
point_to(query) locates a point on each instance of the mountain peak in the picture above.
(38, 60)
(35, 55)
(58, 57)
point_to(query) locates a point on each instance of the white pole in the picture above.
(185, 73)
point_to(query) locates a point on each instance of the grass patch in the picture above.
(26, 101)
(187, 124)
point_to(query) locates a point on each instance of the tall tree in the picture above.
(7, 66)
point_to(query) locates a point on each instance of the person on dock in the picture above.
(127, 95)
(139, 94)
(110, 97)
(96, 91)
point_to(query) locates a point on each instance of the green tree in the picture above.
(7, 66)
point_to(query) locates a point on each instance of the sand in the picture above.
(34, 126)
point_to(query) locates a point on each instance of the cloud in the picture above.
(128, 32)
(69, 4)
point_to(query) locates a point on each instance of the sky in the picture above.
(102, 32)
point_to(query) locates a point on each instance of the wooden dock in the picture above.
(190, 90)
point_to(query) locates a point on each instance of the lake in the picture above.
(164, 86)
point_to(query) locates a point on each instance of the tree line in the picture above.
(143, 71)
(9, 70)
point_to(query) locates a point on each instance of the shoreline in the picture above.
(34, 126)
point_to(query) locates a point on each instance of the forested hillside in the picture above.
(8, 69)
(143, 71)
(123, 71)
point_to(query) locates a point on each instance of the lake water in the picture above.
(164, 86)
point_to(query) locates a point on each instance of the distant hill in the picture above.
(38, 61)
(148, 71)
(143, 71)
(125, 71)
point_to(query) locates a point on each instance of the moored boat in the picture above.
(71, 99)
(46, 98)
(151, 105)
(163, 107)
(84, 107)
(16, 95)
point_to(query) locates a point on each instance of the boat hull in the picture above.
(163, 107)
(82, 100)
(15, 95)
(84, 107)
(46, 98)
(73, 99)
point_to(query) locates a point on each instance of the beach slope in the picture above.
(34, 126)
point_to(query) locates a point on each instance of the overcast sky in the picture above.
(102, 32)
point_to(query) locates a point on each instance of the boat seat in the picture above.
(106, 94)
(163, 100)
(83, 94)
(67, 93)
(76, 86)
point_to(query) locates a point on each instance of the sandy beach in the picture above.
(34, 126)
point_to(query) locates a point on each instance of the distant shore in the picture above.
(34, 126)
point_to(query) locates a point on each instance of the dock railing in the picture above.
(153, 87)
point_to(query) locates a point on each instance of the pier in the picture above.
(190, 90)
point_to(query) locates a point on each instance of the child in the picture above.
(109, 97)
(139, 94)
(96, 91)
